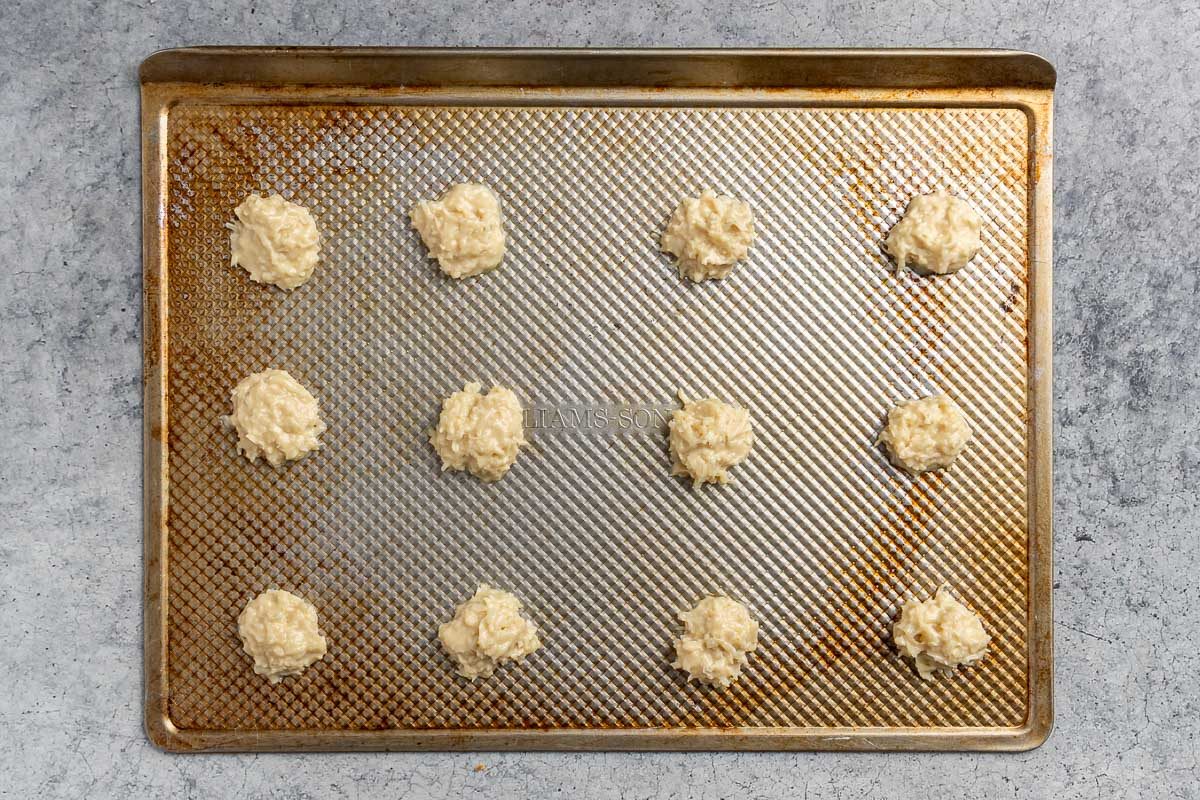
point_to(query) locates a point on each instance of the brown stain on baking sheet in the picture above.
(901, 532)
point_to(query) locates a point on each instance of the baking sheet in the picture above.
(593, 329)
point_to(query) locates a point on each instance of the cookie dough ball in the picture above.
(708, 437)
(463, 230)
(486, 630)
(480, 433)
(279, 631)
(275, 417)
(708, 234)
(939, 634)
(275, 241)
(939, 234)
(925, 434)
(718, 633)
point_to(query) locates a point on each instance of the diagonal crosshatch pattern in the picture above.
(814, 334)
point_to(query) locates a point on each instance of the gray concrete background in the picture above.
(1126, 359)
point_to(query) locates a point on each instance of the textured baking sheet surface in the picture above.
(814, 334)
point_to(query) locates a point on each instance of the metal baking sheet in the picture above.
(590, 324)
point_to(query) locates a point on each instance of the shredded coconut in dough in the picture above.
(480, 433)
(275, 417)
(279, 631)
(939, 233)
(486, 630)
(275, 241)
(708, 437)
(708, 234)
(463, 230)
(925, 434)
(939, 634)
(718, 633)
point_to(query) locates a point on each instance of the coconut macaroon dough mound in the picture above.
(707, 438)
(708, 235)
(275, 241)
(480, 433)
(939, 634)
(279, 631)
(718, 635)
(938, 234)
(925, 434)
(463, 230)
(275, 417)
(486, 630)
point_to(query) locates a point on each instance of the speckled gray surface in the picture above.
(1127, 443)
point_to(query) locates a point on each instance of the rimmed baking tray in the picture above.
(590, 150)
